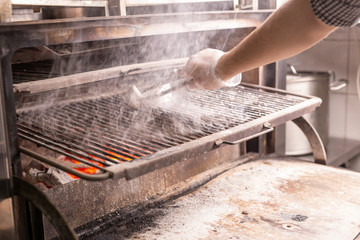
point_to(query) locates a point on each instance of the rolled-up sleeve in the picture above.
(339, 13)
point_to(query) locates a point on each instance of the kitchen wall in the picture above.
(339, 52)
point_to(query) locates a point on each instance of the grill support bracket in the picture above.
(314, 140)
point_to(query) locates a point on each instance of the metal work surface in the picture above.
(264, 199)
(105, 132)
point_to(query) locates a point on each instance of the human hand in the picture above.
(201, 68)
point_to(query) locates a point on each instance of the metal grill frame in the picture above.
(169, 156)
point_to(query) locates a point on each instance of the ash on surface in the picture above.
(128, 230)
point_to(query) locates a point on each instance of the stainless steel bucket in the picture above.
(314, 84)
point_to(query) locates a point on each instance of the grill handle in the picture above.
(265, 129)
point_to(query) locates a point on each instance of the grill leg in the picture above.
(37, 229)
(313, 138)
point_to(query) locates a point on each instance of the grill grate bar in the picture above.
(111, 139)
(104, 124)
(207, 129)
(175, 139)
(252, 102)
(76, 141)
(40, 141)
(93, 139)
(69, 146)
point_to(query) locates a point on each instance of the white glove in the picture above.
(201, 68)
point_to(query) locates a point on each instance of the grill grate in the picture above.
(105, 132)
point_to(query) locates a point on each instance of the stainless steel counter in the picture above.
(339, 151)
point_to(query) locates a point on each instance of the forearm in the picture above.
(291, 30)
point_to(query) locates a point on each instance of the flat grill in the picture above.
(106, 132)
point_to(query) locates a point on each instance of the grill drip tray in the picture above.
(110, 139)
